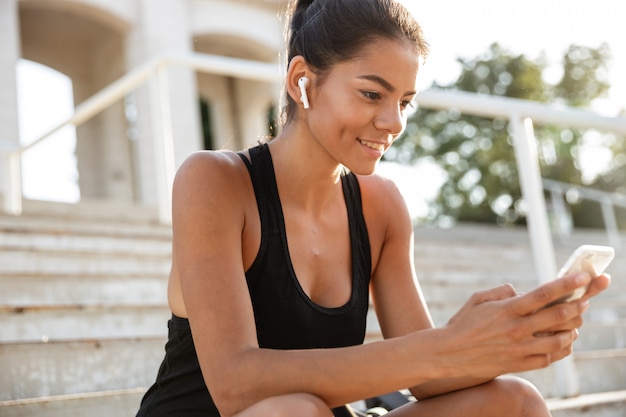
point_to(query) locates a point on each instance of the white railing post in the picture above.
(527, 158)
(531, 185)
(562, 220)
(164, 150)
(610, 222)
(12, 182)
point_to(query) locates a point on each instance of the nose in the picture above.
(392, 120)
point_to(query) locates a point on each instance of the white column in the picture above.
(9, 55)
(163, 26)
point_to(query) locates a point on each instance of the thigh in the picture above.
(300, 404)
(504, 396)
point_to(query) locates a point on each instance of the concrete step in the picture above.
(52, 223)
(52, 324)
(18, 238)
(605, 404)
(601, 335)
(26, 262)
(598, 371)
(92, 210)
(473, 273)
(469, 247)
(46, 224)
(32, 370)
(63, 241)
(19, 291)
(478, 233)
(92, 404)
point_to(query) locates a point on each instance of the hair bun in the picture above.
(300, 11)
(303, 4)
(299, 7)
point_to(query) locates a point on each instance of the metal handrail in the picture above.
(498, 106)
(607, 201)
(215, 64)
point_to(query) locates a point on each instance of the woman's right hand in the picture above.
(498, 331)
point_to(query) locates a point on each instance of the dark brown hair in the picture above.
(327, 32)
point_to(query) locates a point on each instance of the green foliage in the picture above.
(476, 153)
(583, 77)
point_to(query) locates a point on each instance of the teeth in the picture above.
(376, 146)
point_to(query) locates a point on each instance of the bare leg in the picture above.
(504, 396)
(301, 405)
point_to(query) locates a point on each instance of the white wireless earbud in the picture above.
(302, 83)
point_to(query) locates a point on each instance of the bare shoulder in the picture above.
(211, 183)
(208, 172)
(381, 197)
(210, 166)
(386, 213)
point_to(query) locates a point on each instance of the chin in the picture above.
(363, 169)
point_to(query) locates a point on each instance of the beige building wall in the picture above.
(94, 42)
(238, 29)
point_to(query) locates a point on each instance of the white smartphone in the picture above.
(587, 258)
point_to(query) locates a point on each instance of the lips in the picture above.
(380, 147)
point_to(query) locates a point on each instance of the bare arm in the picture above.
(488, 322)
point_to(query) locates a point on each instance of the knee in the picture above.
(520, 397)
(309, 406)
(301, 405)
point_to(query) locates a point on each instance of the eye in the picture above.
(371, 95)
(407, 103)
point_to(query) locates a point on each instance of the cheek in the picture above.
(332, 115)
(338, 114)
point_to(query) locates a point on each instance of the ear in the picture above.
(298, 68)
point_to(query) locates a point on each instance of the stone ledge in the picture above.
(587, 400)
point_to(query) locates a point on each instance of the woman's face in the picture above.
(361, 105)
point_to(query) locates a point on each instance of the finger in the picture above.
(481, 297)
(494, 294)
(560, 317)
(566, 351)
(597, 285)
(556, 342)
(549, 348)
(571, 325)
(549, 292)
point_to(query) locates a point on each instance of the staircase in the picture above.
(83, 306)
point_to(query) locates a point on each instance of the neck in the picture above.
(305, 173)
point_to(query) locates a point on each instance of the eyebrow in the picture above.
(383, 83)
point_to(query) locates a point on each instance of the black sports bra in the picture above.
(286, 318)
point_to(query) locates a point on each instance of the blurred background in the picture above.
(102, 100)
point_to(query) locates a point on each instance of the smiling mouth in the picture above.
(376, 146)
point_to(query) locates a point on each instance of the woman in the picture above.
(276, 249)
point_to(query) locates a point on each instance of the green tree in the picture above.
(476, 153)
